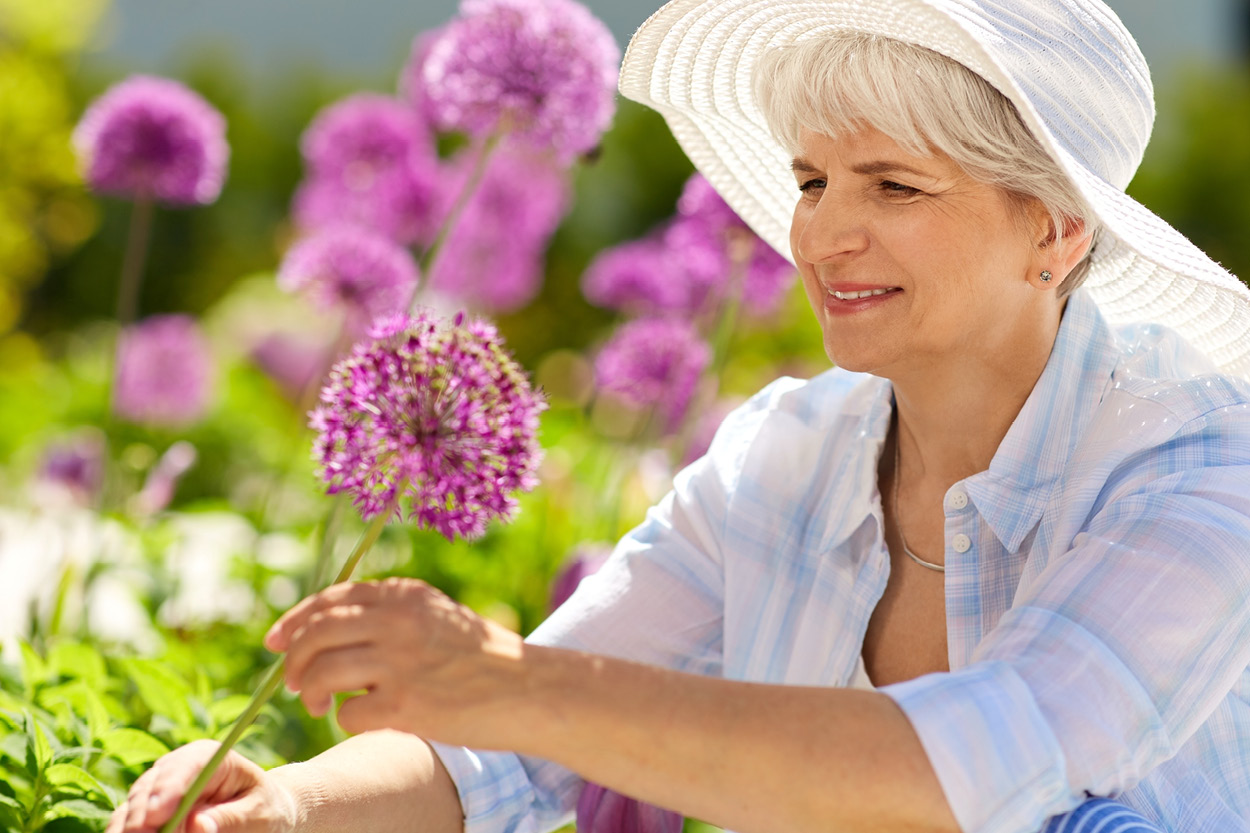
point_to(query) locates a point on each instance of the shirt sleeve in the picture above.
(657, 600)
(1116, 653)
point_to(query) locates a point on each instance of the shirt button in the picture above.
(961, 543)
(959, 499)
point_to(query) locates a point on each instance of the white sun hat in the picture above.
(1070, 67)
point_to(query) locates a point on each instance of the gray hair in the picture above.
(843, 82)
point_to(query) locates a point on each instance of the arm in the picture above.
(379, 781)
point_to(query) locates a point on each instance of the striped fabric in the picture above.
(1096, 586)
(1100, 816)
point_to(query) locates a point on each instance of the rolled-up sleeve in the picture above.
(1115, 653)
(658, 600)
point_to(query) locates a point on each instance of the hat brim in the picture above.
(693, 61)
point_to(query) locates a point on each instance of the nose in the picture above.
(828, 230)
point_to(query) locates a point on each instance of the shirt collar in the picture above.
(1012, 494)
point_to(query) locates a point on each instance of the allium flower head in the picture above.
(493, 259)
(153, 138)
(641, 277)
(164, 372)
(654, 362)
(433, 417)
(600, 810)
(75, 466)
(371, 161)
(351, 269)
(716, 246)
(543, 69)
(412, 87)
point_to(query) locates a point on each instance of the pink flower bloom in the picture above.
(164, 372)
(152, 138)
(434, 417)
(75, 466)
(641, 277)
(494, 257)
(372, 162)
(351, 269)
(162, 481)
(654, 362)
(412, 77)
(543, 69)
(600, 810)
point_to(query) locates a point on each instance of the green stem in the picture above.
(432, 254)
(134, 261)
(269, 684)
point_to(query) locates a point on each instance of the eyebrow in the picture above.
(875, 168)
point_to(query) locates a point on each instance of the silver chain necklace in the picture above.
(898, 524)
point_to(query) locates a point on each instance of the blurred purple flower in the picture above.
(493, 258)
(153, 138)
(431, 414)
(164, 372)
(294, 362)
(545, 70)
(641, 277)
(600, 810)
(654, 362)
(371, 161)
(351, 269)
(585, 560)
(75, 466)
(714, 245)
(162, 481)
(412, 87)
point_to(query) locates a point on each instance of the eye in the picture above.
(892, 187)
(811, 185)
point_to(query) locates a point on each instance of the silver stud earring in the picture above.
(1046, 276)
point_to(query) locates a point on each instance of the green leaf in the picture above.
(34, 670)
(78, 661)
(38, 750)
(68, 775)
(227, 710)
(78, 808)
(132, 747)
(161, 690)
(82, 700)
(10, 801)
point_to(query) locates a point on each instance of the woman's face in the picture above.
(907, 261)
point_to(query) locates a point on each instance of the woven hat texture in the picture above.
(1070, 67)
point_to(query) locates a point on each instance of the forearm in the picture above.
(746, 756)
(379, 781)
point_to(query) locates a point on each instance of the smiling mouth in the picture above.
(866, 293)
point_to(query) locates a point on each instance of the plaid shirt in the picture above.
(1097, 587)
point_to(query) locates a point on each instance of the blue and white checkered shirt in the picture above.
(1098, 609)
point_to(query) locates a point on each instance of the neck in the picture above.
(953, 415)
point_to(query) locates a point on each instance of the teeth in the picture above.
(855, 296)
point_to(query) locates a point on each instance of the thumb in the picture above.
(227, 818)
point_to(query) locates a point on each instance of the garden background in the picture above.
(142, 560)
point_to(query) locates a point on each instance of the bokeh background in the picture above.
(130, 627)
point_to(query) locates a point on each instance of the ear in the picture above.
(1055, 255)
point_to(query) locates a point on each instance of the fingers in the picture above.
(366, 594)
(344, 669)
(154, 797)
(344, 626)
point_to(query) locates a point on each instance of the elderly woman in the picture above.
(993, 565)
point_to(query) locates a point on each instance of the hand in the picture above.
(240, 797)
(428, 666)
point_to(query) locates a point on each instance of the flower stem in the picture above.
(269, 684)
(430, 259)
(134, 261)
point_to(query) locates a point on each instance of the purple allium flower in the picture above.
(600, 810)
(75, 466)
(545, 70)
(493, 258)
(433, 415)
(412, 87)
(351, 269)
(152, 138)
(654, 362)
(371, 161)
(641, 277)
(584, 561)
(164, 372)
(715, 245)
